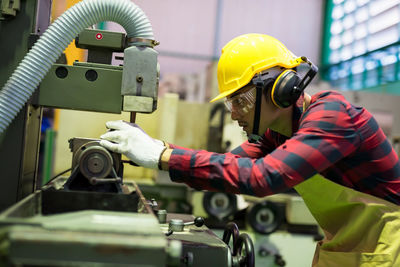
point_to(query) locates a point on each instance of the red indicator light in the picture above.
(99, 36)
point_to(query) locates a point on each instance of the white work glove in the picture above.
(130, 140)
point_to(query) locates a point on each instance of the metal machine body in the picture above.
(83, 86)
(19, 146)
(56, 227)
(59, 228)
(94, 168)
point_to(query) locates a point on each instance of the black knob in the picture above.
(199, 221)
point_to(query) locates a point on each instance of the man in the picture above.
(292, 138)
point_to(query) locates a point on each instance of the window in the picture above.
(361, 46)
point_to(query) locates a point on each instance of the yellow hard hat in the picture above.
(247, 55)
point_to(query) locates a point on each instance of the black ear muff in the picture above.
(284, 92)
(267, 87)
(289, 86)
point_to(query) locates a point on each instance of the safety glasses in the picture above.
(241, 103)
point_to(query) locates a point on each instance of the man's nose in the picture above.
(235, 115)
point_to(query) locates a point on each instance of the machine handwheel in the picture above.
(248, 259)
(231, 229)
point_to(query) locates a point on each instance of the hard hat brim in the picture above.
(224, 94)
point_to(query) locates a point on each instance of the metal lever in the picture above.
(177, 225)
(198, 221)
(95, 180)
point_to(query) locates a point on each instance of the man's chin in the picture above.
(248, 133)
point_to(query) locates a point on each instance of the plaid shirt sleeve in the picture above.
(255, 150)
(247, 149)
(326, 134)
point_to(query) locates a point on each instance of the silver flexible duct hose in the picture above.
(35, 65)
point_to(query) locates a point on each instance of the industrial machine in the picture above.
(93, 217)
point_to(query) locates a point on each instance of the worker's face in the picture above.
(242, 107)
(241, 104)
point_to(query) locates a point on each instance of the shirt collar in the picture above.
(297, 112)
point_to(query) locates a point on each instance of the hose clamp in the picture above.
(148, 42)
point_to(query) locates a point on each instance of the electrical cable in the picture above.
(54, 177)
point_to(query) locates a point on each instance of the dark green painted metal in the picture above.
(48, 155)
(27, 183)
(108, 40)
(9, 8)
(14, 34)
(19, 144)
(325, 51)
(76, 92)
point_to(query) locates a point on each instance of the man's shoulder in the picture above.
(330, 102)
(328, 94)
(333, 97)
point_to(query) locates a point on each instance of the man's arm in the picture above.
(326, 135)
(247, 149)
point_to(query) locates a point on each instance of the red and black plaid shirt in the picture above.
(332, 137)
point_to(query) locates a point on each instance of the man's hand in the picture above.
(130, 140)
